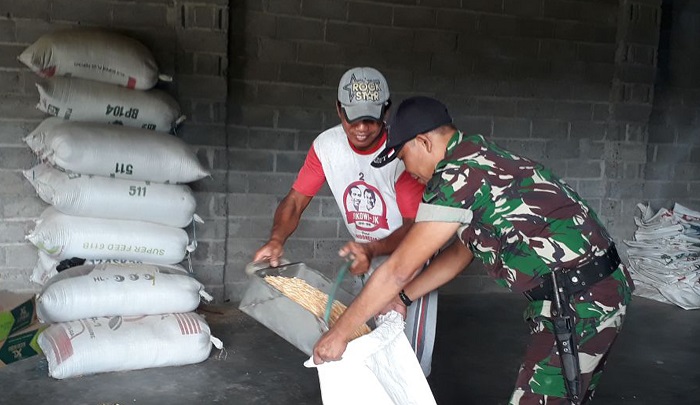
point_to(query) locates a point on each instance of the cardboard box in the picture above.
(17, 311)
(21, 344)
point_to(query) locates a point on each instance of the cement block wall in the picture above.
(672, 172)
(576, 84)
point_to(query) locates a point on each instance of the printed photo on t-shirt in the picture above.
(365, 207)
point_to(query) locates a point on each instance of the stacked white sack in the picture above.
(112, 202)
(139, 316)
(64, 236)
(93, 54)
(115, 151)
(46, 266)
(112, 198)
(91, 101)
(110, 289)
(125, 343)
(664, 255)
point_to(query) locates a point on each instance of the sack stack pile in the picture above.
(117, 192)
(664, 256)
(119, 203)
(118, 317)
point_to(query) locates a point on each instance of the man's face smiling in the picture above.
(363, 134)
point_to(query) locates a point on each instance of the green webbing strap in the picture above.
(338, 279)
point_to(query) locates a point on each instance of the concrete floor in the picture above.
(480, 340)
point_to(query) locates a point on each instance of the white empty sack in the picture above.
(115, 151)
(105, 197)
(64, 236)
(109, 289)
(86, 100)
(93, 54)
(119, 343)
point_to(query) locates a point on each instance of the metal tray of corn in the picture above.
(292, 321)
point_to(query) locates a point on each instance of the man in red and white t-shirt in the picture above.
(378, 206)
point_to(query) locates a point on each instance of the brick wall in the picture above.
(572, 83)
(569, 83)
(673, 151)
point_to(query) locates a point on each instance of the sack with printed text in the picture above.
(64, 236)
(47, 267)
(109, 289)
(118, 343)
(105, 197)
(93, 54)
(113, 151)
(89, 101)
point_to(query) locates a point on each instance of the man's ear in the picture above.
(424, 141)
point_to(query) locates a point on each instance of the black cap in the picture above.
(415, 115)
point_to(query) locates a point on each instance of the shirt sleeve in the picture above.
(408, 195)
(450, 195)
(311, 176)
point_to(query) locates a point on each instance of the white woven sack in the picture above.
(105, 197)
(117, 289)
(102, 344)
(93, 54)
(114, 151)
(64, 236)
(382, 363)
(90, 101)
(45, 267)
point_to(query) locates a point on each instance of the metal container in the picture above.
(282, 315)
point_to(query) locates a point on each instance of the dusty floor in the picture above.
(480, 340)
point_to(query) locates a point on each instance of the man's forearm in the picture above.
(287, 216)
(387, 245)
(395, 273)
(442, 269)
(285, 223)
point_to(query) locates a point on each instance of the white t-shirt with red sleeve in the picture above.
(373, 201)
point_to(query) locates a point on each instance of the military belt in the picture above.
(574, 281)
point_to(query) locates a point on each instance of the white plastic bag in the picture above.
(104, 197)
(64, 236)
(114, 151)
(117, 289)
(103, 344)
(379, 368)
(90, 101)
(45, 267)
(93, 54)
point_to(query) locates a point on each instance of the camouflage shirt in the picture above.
(517, 217)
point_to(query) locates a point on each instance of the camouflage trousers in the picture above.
(599, 314)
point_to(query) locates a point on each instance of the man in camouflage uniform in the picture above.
(524, 224)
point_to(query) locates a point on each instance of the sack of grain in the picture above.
(114, 151)
(64, 236)
(117, 289)
(93, 54)
(105, 197)
(47, 267)
(90, 101)
(104, 344)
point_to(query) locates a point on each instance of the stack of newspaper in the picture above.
(664, 256)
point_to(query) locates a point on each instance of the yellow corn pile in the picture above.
(312, 299)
